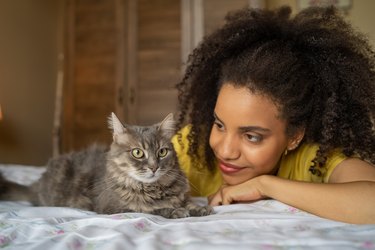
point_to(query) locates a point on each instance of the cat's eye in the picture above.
(162, 152)
(137, 153)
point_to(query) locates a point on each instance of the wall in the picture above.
(27, 79)
(216, 10)
(361, 15)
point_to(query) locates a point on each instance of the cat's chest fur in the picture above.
(129, 194)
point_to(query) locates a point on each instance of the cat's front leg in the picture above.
(111, 207)
(197, 210)
(172, 213)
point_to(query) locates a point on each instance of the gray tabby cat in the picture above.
(139, 173)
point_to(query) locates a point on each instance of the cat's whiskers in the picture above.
(183, 176)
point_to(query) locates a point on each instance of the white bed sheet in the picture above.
(264, 225)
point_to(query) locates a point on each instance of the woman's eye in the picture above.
(218, 125)
(162, 152)
(253, 138)
(137, 153)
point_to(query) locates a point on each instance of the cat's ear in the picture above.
(115, 125)
(168, 125)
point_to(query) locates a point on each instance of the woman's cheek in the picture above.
(214, 138)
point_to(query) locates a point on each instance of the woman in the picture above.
(282, 108)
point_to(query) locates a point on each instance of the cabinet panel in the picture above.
(159, 58)
(90, 70)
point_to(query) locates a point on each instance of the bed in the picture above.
(265, 225)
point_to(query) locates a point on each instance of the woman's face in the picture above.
(247, 137)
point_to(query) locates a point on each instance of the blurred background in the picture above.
(66, 64)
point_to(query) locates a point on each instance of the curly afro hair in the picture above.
(316, 68)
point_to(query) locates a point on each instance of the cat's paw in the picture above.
(180, 213)
(201, 210)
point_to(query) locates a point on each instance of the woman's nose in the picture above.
(228, 148)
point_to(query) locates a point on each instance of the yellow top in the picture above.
(294, 166)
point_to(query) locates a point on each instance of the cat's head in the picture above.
(145, 153)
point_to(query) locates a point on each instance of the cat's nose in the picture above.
(153, 168)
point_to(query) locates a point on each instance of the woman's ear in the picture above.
(295, 139)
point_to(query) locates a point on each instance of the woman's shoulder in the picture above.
(296, 165)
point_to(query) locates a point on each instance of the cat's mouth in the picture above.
(146, 178)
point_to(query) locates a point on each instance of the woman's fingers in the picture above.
(215, 199)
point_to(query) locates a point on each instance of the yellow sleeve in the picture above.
(333, 160)
(202, 181)
(295, 166)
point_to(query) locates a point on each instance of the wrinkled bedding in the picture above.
(266, 225)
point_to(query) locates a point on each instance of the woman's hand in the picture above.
(245, 192)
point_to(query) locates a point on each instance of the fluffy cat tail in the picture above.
(11, 191)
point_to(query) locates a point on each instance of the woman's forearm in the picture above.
(352, 202)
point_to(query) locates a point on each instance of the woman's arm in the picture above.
(349, 197)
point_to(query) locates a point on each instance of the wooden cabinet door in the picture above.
(121, 56)
(125, 56)
(91, 85)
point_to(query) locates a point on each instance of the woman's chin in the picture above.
(234, 179)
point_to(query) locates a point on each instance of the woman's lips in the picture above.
(229, 169)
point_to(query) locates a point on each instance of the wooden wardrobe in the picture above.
(125, 56)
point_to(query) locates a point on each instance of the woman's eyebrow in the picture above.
(254, 128)
(217, 118)
(246, 128)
